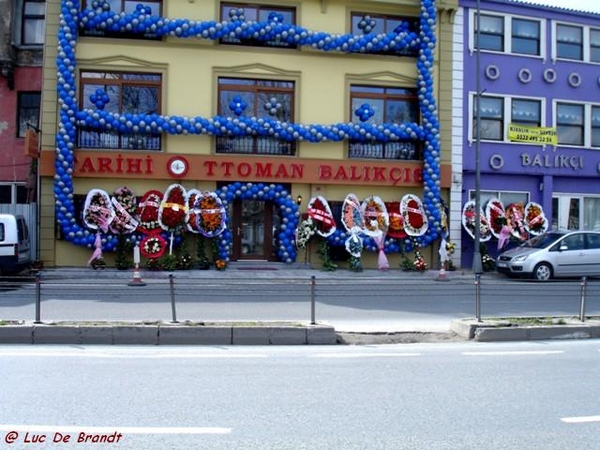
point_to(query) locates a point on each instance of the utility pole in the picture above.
(477, 265)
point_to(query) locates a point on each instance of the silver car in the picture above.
(554, 254)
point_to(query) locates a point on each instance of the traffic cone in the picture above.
(442, 275)
(137, 277)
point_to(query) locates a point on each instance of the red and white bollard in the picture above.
(442, 275)
(137, 277)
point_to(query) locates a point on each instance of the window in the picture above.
(388, 105)
(525, 36)
(491, 34)
(126, 93)
(595, 46)
(491, 115)
(496, 110)
(569, 42)
(595, 126)
(257, 13)
(127, 7)
(508, 34)
(526, 112)
(576, 43)
(363, 23)
(578, 124)
(269, 99)
(570, 121)
(593, 240)
(28, 111)
(33, 22)
(506, 197)
(570, 211)
(14, 194)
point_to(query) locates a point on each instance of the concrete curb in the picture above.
(168, 334)
(503, 331)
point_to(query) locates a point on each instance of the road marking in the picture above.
(515, 353)
(130, 356)
(582, 419)
(363, 355)
(124, 430)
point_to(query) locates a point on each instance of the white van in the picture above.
(15, 246)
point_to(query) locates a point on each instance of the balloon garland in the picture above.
(288, 213)
(99, 16)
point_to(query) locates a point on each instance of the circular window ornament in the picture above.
(496, 161)
(524, 75)
(549, 75)
(574, 79)
(492, 72)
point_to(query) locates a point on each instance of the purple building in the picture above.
(538, 73)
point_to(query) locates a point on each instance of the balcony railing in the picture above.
(255, 145)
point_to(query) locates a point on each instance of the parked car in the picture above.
(15, 245)
(554, 254)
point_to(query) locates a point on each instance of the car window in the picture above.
(542, 241)
(2, 232)
(574, 242)
(593, 240)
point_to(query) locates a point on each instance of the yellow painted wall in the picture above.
(190, 69)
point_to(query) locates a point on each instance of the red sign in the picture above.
(90, 164)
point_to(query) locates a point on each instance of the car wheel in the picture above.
(542, 272)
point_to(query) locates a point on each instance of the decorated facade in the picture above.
(174, 124)
(539, 112)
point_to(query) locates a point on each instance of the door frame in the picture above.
(237, 227)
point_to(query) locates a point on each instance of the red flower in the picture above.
(173, 209)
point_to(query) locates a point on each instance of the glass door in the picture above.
(253, 229)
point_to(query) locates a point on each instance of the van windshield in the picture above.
(542, 241)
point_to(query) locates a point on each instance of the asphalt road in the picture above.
(350, 304)
(418, 396)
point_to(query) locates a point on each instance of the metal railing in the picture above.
(296, 298)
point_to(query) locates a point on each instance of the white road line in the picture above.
(582, 419)
(515, 353)
(123, 430)
(363, 355)
(54, 354)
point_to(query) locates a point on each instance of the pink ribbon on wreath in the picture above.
(503, 237)
(382, 261)
(97, 251)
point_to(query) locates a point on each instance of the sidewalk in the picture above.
(262, 271)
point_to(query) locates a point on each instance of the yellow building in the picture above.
(267, 104)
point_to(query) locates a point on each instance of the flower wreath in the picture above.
(396, 228)
(190, 216)
(172, 211)
(321, 215)
(468, 221)
(148, 212)
(377, 219)
(413, 215)
(494, 213)
(97, 211)
(125, 206)
(305, 231)
(352, 216)
(153, 246)
(515, 216)
(209, 214)
(535, 219)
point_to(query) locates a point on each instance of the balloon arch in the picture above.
(287, 209)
